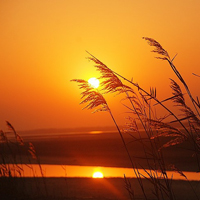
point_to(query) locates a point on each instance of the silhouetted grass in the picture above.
(12, 180)
(142, 105)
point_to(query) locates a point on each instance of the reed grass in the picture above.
(142, 112)
(12, 180)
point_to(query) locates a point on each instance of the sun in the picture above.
(94, 82)
(97, 175)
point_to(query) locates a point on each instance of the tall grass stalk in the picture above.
(11, 166)
(142, 108)
(94, 99)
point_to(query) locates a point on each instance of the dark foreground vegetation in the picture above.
(84, 189)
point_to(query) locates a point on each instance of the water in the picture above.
(82, 171)
(87, 172)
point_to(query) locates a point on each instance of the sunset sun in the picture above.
(94, 82)
(97, 175)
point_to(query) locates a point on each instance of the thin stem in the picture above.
(129, 156)
(139, 88)
(185, 85)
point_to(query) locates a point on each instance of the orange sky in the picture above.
(43, 47)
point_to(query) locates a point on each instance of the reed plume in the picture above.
(110, 81)
(91, 97)
(157, 48)
(17, 136)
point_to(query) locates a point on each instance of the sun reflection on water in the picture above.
(95, 132)
(98, 175)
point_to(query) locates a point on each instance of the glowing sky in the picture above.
(43, 46)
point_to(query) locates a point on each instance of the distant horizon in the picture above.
(86, 128)
(70, 128)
